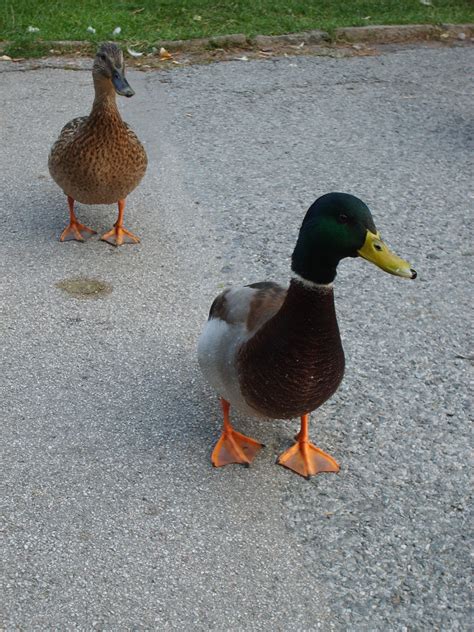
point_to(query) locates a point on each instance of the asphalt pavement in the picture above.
(112, 516)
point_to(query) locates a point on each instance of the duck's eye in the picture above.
(342, 219)
(102, 56)
(378, 247)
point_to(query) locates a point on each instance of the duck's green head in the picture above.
(336, 226)
(109, 67)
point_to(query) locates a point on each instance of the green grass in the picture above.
(143, 22)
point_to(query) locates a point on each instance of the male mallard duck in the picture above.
(276, 352)
(97, 159)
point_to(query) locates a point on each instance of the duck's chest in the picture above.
(104, 165)
(295, 363)
(107, 151)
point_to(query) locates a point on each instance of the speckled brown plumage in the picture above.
(98, 159)
(295, 361)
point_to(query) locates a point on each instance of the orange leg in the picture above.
(232, 446)
(75, 230)
(120, 235)
(304, 457)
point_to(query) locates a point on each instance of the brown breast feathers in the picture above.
(295, 361)
(98, 159)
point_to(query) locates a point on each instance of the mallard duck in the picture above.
(98, 159)
(276, 352)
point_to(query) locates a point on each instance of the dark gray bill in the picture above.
(121, 85)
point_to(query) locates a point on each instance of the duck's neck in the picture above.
(304, 262)
(105, 105)
(295, 361)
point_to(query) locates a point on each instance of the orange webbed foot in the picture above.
(306, 459)
(77, 231)
(234, 447)
(120, 235)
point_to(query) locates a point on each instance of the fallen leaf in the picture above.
(117, 30)
(164, 54)
(5, 58)
(91, 29)
(133, 53)
(243, 58)
(32, 29)
(427, 3)
(367, 17)
(197, 18)
(297, 46)
(138, 11)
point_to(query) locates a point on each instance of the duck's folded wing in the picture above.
(66, 135)
(250, 306)
(71, 128)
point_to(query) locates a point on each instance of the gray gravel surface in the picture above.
(113, 517)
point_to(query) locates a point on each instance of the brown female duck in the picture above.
(276, 352)
(98, 159)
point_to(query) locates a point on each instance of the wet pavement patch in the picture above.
(84, 288)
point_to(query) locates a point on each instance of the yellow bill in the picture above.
(377, 252)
